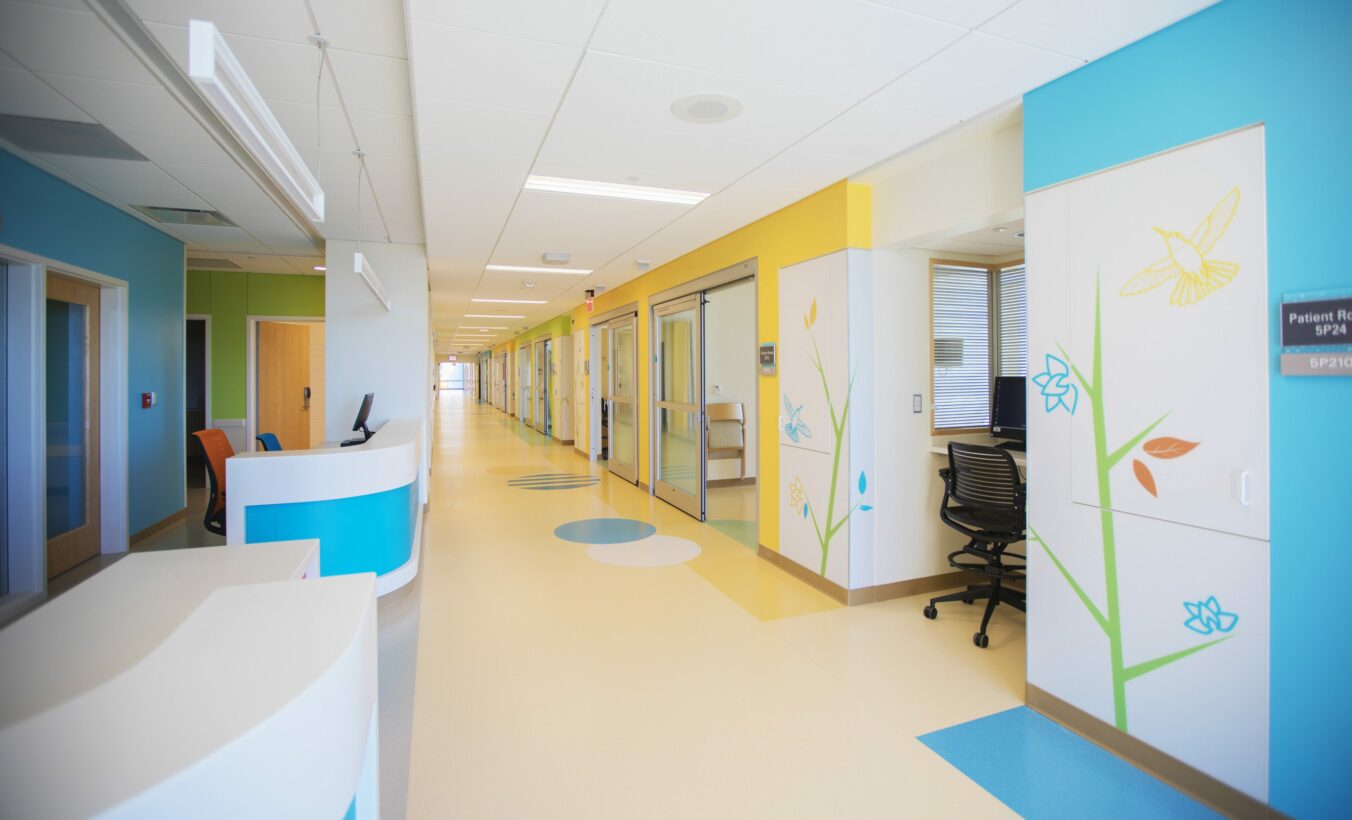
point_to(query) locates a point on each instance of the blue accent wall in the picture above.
(363, 533)
(43, 215)
(1288, 65)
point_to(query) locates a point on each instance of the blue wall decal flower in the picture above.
(1206, 617)
(794, 426)
(1054, 382)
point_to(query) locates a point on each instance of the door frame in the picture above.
(637, 401)
(670, 493)
(26, 466)
(594, 374)
(251, 372)
(543, 349)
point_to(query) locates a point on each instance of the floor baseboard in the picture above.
(156, 527)
(818, 582)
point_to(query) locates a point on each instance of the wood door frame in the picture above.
(251, 371)
(26, 465)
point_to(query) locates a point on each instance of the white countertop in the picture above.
(194, 683)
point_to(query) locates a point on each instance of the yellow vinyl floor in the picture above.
(550, 684)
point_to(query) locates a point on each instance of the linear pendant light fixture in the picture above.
(613, 190)
(512, 301)
(362, 267)
(529, 269)
(214, 69)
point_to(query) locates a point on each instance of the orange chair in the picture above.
(217, 448)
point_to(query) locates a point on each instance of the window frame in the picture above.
(992, 334)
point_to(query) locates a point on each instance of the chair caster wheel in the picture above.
(968, 601)
(981, 640)
(931, 612)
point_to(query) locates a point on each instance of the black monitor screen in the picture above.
(1008, 418)
(364, 413)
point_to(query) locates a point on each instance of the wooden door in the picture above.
(72, 423)
(283, 376)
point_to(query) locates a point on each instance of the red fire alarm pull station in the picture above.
(147, 401)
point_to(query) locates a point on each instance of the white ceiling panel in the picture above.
(970, 13)
(566, 223)
(1089, 30)
(460, 65)
(112, 175)
(46, 39)
(194, 149)
(975, 74)
(207, 180)
(125, 105)
(566, 22)
(233, 240)
(363, 26)
(844, 48)
(22, 93)
(284, 20)
(871, 131)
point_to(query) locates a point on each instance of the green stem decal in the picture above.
(1110, 619)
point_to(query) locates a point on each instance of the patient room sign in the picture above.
(1317, 334)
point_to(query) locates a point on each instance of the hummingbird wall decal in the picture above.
(1188, 262)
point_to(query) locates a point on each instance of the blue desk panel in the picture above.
(364, 533)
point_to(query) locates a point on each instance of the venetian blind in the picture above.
(961, 327)
(1012, 339)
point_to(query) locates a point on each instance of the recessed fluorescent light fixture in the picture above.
(320, 267)
(512, 301)
(613, 190)
(492, 316)
(362, 267)
(229, 91)
(528, 269)
(491, 327)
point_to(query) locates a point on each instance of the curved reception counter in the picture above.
(209, 682)
(361, 502)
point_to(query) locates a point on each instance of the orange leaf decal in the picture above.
(1143, 475)
(1168, 447)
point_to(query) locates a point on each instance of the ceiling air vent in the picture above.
(195, 263)
(74, 139)
(186, 216)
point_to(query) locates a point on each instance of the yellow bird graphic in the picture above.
(1197, 275)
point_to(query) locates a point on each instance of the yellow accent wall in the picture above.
(831, 219)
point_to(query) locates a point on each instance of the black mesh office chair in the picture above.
(988, 498)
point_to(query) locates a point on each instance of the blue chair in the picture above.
(269, 442)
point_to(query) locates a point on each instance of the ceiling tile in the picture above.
(870, 132)
(257, 18)
(46, 39)
(22, 93)
(126, 105)
(968, 13)
(163, 146)
(567, 22)
(1089, 30)
(460, 65)
(367, 26)
(592, 229)
(847, 49)
(207, 180)
(975, 74)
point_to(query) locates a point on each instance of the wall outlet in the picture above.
(915, 403)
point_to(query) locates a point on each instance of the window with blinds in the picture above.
(979, 316)
(1011, 301)
(962, 352)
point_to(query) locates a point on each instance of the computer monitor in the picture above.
(1008, 412)
(363, 413)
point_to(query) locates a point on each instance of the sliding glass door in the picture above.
(621, 380)
(678, 407)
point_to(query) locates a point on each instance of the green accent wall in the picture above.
(229, 298)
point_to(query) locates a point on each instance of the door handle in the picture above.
(307, 399)
(1244, 482)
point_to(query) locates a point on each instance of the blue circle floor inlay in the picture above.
(604, 530)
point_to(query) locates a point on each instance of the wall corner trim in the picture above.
(1205, 788)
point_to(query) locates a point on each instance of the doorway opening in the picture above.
(543, 352)
(616, 414)
(286, 381)
(704, 401)
(197, 392)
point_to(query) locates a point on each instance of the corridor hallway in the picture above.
(551, 684)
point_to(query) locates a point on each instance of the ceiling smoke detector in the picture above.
(706, 109)
(556, 258)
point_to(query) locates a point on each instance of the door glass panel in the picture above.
(67, 387)
(622, 435)
(677, 334)
(678, 435)
(624, 361)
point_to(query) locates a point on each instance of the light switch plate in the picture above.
(915, 403)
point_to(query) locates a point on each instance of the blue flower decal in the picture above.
(1206, 617)
(794, 426)
(1057, 391)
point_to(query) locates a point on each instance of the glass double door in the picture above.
(679, 435)
(619, 384)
